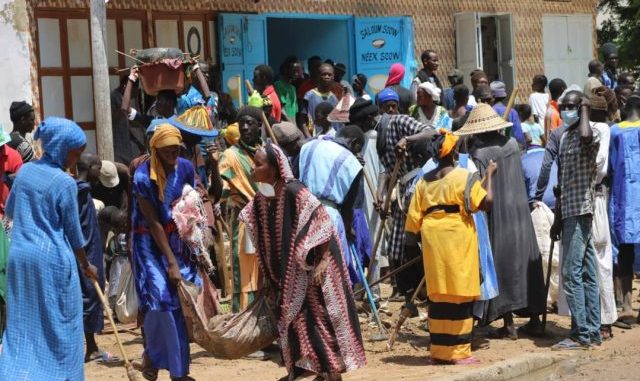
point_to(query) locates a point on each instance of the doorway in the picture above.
(486, 41)
(368, 45)
(305, 38)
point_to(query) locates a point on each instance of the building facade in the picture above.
(49, 41)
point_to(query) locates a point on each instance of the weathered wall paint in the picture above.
(15, 68)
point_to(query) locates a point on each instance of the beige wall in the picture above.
(433, 20)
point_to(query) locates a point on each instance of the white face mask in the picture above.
(266, 189)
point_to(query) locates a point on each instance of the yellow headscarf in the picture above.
(231, 134)
(448, 144)
(165, 135)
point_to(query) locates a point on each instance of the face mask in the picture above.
(266, 189)
(569, 117)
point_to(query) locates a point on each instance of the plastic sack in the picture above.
(127, 303)
(229, 336)
(542, 218)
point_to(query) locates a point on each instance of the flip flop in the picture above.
(150, 374)
(104, 357)
(468, 361)
(622, 325)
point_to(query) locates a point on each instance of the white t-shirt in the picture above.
(539, 103)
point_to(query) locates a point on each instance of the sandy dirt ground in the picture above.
(407, 360)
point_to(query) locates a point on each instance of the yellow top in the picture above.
(449, 240)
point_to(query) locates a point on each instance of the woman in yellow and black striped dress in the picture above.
(441, 211)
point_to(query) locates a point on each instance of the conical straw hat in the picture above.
(482, 118)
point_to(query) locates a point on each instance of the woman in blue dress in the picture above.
(160, 258)
(44, 336)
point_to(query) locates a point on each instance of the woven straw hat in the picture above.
(482, 118)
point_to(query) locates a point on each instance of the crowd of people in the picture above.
(312, 183)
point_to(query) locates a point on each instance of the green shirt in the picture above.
(288, 98)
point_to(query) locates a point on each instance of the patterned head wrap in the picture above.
(431, 89)
(284, 169)
(58, 136)
(164, 136)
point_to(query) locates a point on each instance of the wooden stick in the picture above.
(265, 121)
(390, 274)
(131, 373)
(385, 210)
(373, 191)
(240, 101)
(130, 56)
(546, 286)
(404, 314)
(512, 99)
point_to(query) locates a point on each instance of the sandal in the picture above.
(622, 325)
(183, 378)
(468, 361)
(150, 374)
(103, 357)
(569, 344)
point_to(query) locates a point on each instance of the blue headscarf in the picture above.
(58, 136)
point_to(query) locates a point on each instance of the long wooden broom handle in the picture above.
(127, 364)
(507, 110)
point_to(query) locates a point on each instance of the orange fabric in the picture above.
(556, 121)
(449, 143)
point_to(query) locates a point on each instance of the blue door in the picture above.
(380, 42)
(243, 45)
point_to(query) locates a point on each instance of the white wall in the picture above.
(15, 67)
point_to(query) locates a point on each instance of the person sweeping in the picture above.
(160, 257)
(441, 208)
(302, 263)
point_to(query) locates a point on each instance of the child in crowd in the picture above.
(539, 99)
(322, 125)
(117, 254)
(533, 133)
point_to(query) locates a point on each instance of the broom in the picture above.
(131, 373)
(404, 314)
